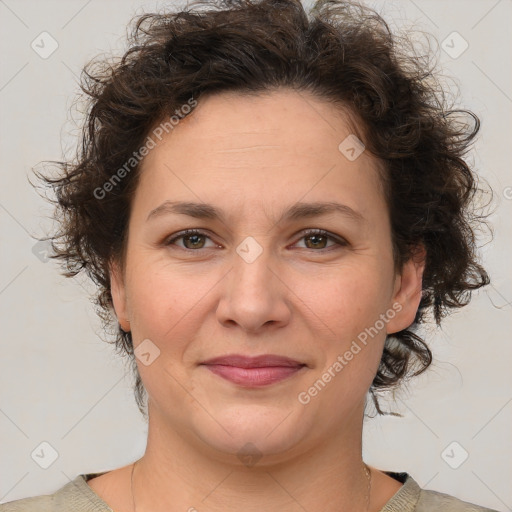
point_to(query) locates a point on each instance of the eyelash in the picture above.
(308, 232)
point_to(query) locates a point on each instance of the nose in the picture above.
(253, 296)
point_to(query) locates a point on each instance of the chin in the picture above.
(253, 433)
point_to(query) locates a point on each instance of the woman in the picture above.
(270, 204)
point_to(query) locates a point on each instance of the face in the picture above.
(265, 271)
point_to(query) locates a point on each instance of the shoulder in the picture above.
(36, 503)
(412, 498)
(433, 500)
(75, 496)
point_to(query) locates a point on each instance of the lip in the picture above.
(253, 371)
(262, 361)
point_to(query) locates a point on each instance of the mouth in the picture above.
(254, 371)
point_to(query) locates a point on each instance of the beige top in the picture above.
(77, 496)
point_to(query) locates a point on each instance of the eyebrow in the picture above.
(296, 212)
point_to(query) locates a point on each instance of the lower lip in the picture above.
(254, 377)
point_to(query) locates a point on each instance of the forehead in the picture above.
(278, 121)
(270, 148)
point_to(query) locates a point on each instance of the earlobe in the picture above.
(408, 291)
(118, 292)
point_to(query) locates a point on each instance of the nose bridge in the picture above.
(251, 272)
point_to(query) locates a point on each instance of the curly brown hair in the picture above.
(342, 52)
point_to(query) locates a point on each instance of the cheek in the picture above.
(166, 309)
(345, 300)
(349, 306)
(159, 294)
(160, 300)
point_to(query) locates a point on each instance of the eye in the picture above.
(318, 238)
(192, 239)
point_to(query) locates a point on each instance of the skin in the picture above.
(303, 297)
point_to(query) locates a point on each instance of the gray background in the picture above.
(62, 385)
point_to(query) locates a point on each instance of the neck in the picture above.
(177, 473)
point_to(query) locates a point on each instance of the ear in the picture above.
(407, 291)
(118, 292)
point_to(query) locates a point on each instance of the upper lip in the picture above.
(253, 362)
